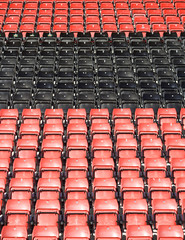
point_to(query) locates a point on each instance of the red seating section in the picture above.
(105, 175)
(92, 16)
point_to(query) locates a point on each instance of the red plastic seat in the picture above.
(132, 188)
(100, 130)
(41, 28)
(47, 212)
(14, 232)
(7, 131)
(149, 130)
(151, 5)
(139, 232)
(31, 5)
(101, 148)
(54, 116)
(77, 130)
(126, 148)
(49, 188)
(92, 20)
(58, 28)
(31, 116)
(9, 116)
(175, 147)
(77, 148)
(6, 148)
(12, 20)
(29, 131)
(126, 28)
(76, 20)
(151, 147)
(161, 28)
(16, 5)
(14, 12)
(106, 211)
(159, 188)
(60, 20)
(155, 167)
(178, 28)
(92, 28)
(52, 148)
(2, 187)
(4, 167)
(164, 212)
(121, 115)
(27, 148)
(171, 130)
(30, 12)
(42, 232)
(156, 20)
(50, 167)
(169, 12)
(166, 115)
(76, 188)
(180, 189)
(170, 232)
(154, 12)
(61, 5)
(129, 167)
(104, 188)
(172, 19)
(123, 12)
(124, 20)
(76, 28)
(122, 130)
(76, 167)
(74, 115)
(21, 188)
(144, 115)
(53, 131)
(77, 212)
(140, 20)
(134, 6)
(24, 167)
(135, 211)
(76, 232)
(103, 167)
(108, 233)
(91, 5)
(99, 115)
(17, 212)
(108, 20)
(92, 12)
(177, 168)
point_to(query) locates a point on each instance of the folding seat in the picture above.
(77, 148)
(21, 188)
(135, 211)
(17, 212)
(177, 28)
(167, 115)
(27, 148)
(76, 5)
(161, 28)
(91, 12)
(171, 130)
(76, 212)
(49, 188)
(147, 130)
(121, 116)
(180, 189)
(41, 28)
(175, 147)
(99, 115)
(101, 148)
(73, 232)
(14, 232)
(76, 188)
(76, 28)
(29, 131)
(4, 169)
(31, 5)
(76, 12)
(106, 211)
(126, 28)
(132, 188)
(129, 167)
(54, 116)
(31, 116)
(164, 212)
(24, 168)
(165, 5)
(143, 115)
(139, 232)
(52, 148)
(100, 130)
(123, 12)
(159, 188)
(2, 189)
(103, 167)
(12, 20)
(40, 232)
(50, 167)
(53, 131)
(107, 232)
(169, 12)
(156, 20)
(16, 5)
(104, 188)
(172, 231)
(126, 148)
(155, 167)
(76, 116)
(76, 131)
(47, 212)
(177, 168)
(14, 12)
(124, 20)
(61, 5)
(122, 130)
(60, 20)
(151, 147)
(7, 131)
(6, 148)
(172, 19)
(10, 28)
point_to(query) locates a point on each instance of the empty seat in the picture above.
(139, 232)
(132, 188)
(108, 232)
(170, 231)
(76, 188)
(73, 232)
(40, 232)
(49, 188)
(14, 232)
